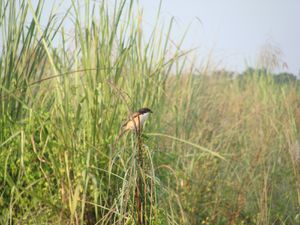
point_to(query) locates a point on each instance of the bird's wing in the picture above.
(130, 118)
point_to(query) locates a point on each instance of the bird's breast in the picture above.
(143, 117)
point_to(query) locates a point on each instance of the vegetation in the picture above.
(218, 149)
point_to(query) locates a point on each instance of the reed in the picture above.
(217, 149)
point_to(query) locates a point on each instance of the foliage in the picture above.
(217, 150)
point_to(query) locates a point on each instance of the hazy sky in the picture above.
(234, 30)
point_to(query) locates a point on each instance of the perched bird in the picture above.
(135, 122)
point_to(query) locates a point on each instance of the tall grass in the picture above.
(217, 150)
(251, 122)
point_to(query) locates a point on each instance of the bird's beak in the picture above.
(151, 111)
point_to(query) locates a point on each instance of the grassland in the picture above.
(217, 149)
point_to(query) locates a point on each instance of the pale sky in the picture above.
(234, 30)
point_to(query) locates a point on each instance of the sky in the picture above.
(233, 31)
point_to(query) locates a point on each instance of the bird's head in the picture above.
(145, 110)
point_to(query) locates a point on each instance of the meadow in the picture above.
(218, 149)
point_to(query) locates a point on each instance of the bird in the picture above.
(135, 122)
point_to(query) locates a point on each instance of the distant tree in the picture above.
(280, 78)
(283, 78)
(254, 72)
(223, 74)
